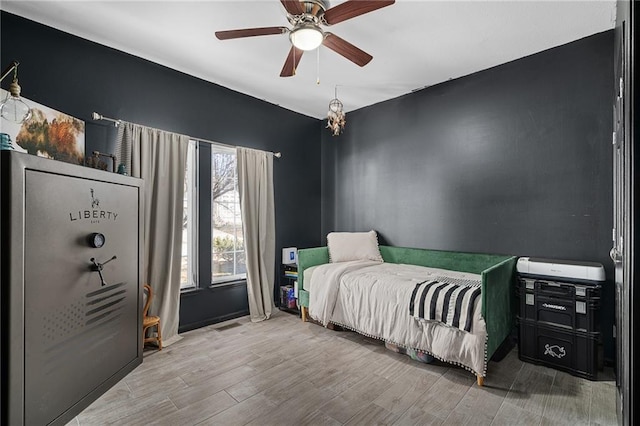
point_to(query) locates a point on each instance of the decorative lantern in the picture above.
(336, 116)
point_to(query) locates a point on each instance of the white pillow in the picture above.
(348, 246)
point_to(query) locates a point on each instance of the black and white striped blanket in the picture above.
(444, 299)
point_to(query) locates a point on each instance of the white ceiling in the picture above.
(414, 43)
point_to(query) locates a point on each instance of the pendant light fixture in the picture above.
(13, 108)
(336, 116)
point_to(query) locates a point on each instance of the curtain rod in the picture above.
(275, 154)
(117, 122)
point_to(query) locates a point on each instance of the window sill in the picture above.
(192, 291)
(231, 282)
(237, 281)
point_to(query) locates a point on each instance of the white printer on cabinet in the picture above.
(567, 269)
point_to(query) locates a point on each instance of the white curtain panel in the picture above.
(255, 185)
(160, 159)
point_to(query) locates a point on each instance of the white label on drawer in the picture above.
(556, 307)
(581, 308)
(530, 299)
(554, 351)
(581, 291)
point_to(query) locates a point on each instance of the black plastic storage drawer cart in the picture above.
(559, 320)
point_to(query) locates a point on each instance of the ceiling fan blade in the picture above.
(294, 7)
(352, 8)
(346, 49)
(291, 64)
(250, 32)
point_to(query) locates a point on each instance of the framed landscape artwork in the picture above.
(48, 133)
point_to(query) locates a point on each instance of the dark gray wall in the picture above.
(516, 159)
(78, 77)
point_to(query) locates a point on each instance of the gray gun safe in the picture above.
(71, 295)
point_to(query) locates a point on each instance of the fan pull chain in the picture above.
(318, 66)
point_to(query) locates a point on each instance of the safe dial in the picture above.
(96, 240)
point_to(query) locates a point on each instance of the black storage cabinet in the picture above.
(559, 324)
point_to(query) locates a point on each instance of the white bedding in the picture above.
(372, 298)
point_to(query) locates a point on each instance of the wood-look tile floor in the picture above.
(286, 372)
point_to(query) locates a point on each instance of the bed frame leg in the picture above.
(480, 381)
(303, 311)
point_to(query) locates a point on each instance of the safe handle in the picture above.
(97, 267)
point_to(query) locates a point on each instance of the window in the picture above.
(188, 264)
(227, 257)
(211, 215)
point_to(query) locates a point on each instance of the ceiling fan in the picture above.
(307, 17)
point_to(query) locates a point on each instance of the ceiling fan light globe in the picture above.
(307, 37)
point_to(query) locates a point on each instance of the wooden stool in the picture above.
(150, 321)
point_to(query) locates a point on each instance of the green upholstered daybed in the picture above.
(497, 283)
